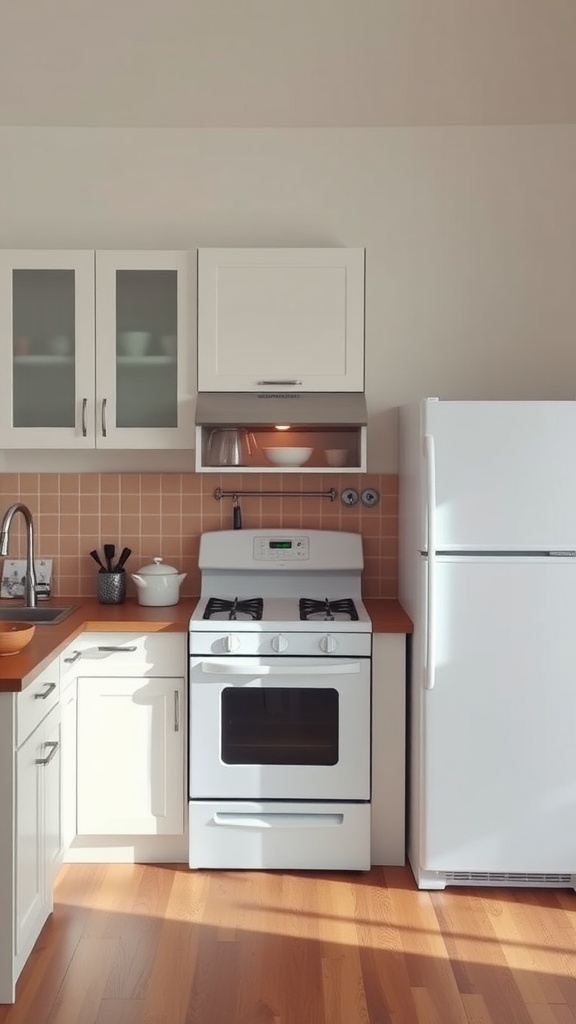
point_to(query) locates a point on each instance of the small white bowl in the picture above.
(336, 456)
(288, 456)
(134, 343)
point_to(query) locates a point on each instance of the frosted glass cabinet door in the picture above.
(145, 379)
(47, 345)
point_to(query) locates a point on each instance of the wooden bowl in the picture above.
(14, 636)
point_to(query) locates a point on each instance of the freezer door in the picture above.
(504, 475)
(494, 786)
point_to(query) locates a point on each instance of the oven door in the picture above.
(279, 728)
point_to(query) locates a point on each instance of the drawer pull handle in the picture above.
(50, 687)
(121, 650)
(84, 427)
(46, 760)
(75, 656)
(104, 423)
(278, 383)
(176, 711)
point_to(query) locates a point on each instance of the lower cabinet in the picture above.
(124, 708)
(30, 819)
(38, 829)
(130, 758)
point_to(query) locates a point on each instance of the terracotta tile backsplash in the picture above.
(164, 514)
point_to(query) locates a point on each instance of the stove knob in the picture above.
(279, 643)
(231, 643)
(328, 643)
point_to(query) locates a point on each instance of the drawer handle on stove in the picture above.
(249, 820)
(224, 668)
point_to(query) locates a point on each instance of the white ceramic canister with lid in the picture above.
(158, 584)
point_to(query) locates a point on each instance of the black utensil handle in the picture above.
(94, 554)
(109, 552)
(126, 552)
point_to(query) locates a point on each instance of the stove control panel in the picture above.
(281, 549)
(275, 644)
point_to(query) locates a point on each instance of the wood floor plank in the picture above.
(475, 1009)
(80, 998)
(343, 987)
(470, 939)
(428, 963)
(174, 967)
(389, 996)
(138, 929)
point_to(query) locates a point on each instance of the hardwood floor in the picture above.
(157, 944)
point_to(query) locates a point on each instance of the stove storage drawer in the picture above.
(297, 836)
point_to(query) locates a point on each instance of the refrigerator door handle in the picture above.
(430, 642)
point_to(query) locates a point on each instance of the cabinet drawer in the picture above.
(36, 701)
(126, 654)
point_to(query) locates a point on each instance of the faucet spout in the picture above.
(30, 582)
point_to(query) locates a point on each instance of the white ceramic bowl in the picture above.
(336, 456)
(288, 456)
(134, 343)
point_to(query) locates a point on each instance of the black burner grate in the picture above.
(326, 609)
(251, 607)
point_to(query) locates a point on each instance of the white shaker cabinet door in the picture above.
(38, 831)
(288, 319)
(130, 756)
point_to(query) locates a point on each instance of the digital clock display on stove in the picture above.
(280, 544)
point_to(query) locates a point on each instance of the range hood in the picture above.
(304, 409)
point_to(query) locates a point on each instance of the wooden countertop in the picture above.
(18, 670)
(388, 616)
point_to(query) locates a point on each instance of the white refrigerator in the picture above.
(488, 575)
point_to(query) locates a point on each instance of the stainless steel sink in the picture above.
(40, 616)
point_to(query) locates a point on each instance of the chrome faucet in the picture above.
(30, 582)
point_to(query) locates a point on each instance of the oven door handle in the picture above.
(224, 668)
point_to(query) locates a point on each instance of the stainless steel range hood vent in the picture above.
(310, 409)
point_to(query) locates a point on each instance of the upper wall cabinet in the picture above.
(289, 319)
(96, 350)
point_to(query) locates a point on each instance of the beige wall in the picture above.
(470, 234)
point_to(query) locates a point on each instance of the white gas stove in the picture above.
(281, 591)
(280, 698)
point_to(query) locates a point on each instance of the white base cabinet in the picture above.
(30, 819)
(388, 748)
(38, 830)
(129, 736)
(130, 756)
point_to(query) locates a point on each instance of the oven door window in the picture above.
(279, 725)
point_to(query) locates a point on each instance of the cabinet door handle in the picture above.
(121, 650)
(104, 428)
(53, 748)
(50, 687)
(278, 383)
(176, 711)
(84, 427)
(75, 656)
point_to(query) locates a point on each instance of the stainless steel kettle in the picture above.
(230, 446)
